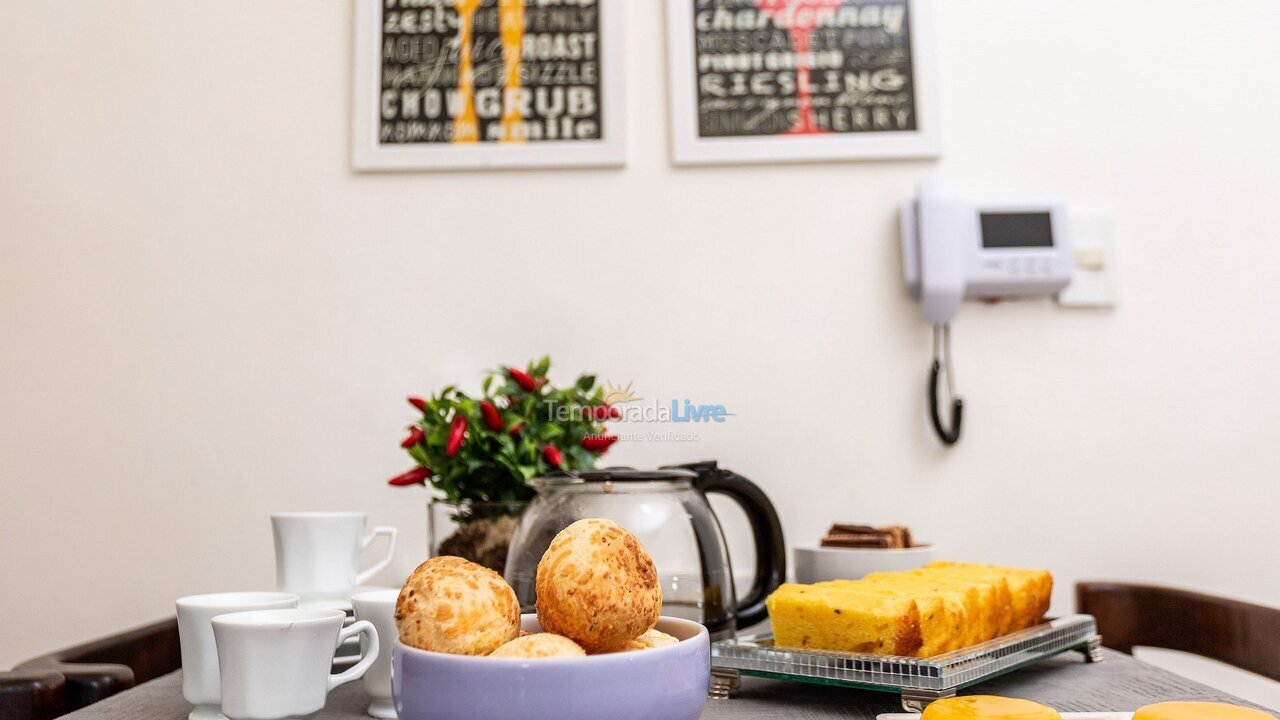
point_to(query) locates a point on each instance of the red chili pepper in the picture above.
(598, 443)
(418, 403)
(415, 437)
(492, 418)
(523, 379)
(416, 476)
(606, 412)
(553, 456)
(515, 429)
(456, 432)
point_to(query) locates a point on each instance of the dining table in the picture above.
(1119, 683)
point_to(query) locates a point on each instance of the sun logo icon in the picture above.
(614, 394)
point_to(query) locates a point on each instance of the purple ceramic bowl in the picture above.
(667, 682)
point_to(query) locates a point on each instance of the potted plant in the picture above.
(479, 453)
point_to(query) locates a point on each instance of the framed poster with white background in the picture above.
(465, 84)
(797, 80)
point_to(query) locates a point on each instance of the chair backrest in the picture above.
(69, 679)
(1231, 631)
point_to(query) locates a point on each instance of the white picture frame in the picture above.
(369, 154)
(688, 147)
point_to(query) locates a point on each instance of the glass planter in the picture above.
(477, 531)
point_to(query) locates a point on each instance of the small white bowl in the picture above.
(817, 564)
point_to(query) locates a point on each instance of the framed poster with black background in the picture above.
(453, 84)
(796, 80)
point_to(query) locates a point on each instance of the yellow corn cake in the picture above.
(924, 612)
(807, 616)
(944, 610)
(995, 597)
(978, 599)
(1029, 589)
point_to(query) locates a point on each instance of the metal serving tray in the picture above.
(919, 680)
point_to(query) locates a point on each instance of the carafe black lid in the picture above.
(625, 474)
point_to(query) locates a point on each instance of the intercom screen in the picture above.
(1017, 230)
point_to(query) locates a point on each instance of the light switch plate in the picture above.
(1093, 283)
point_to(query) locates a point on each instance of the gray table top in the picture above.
(1065, 682)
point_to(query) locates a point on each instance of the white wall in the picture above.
(204, 316)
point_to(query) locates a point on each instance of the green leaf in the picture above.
(493, 465)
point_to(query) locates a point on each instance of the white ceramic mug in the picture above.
(200, 684)
(379, 608)
(317, 553)
(276, 663)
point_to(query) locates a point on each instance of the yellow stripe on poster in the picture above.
(511, 24)
(466, 127)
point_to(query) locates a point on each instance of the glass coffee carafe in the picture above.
(667, 510)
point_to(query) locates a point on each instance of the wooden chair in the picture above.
(1234, 632)
(60, 682)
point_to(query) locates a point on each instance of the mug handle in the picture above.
(382, 564)
(355, 672)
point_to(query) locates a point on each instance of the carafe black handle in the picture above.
(766, 530)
